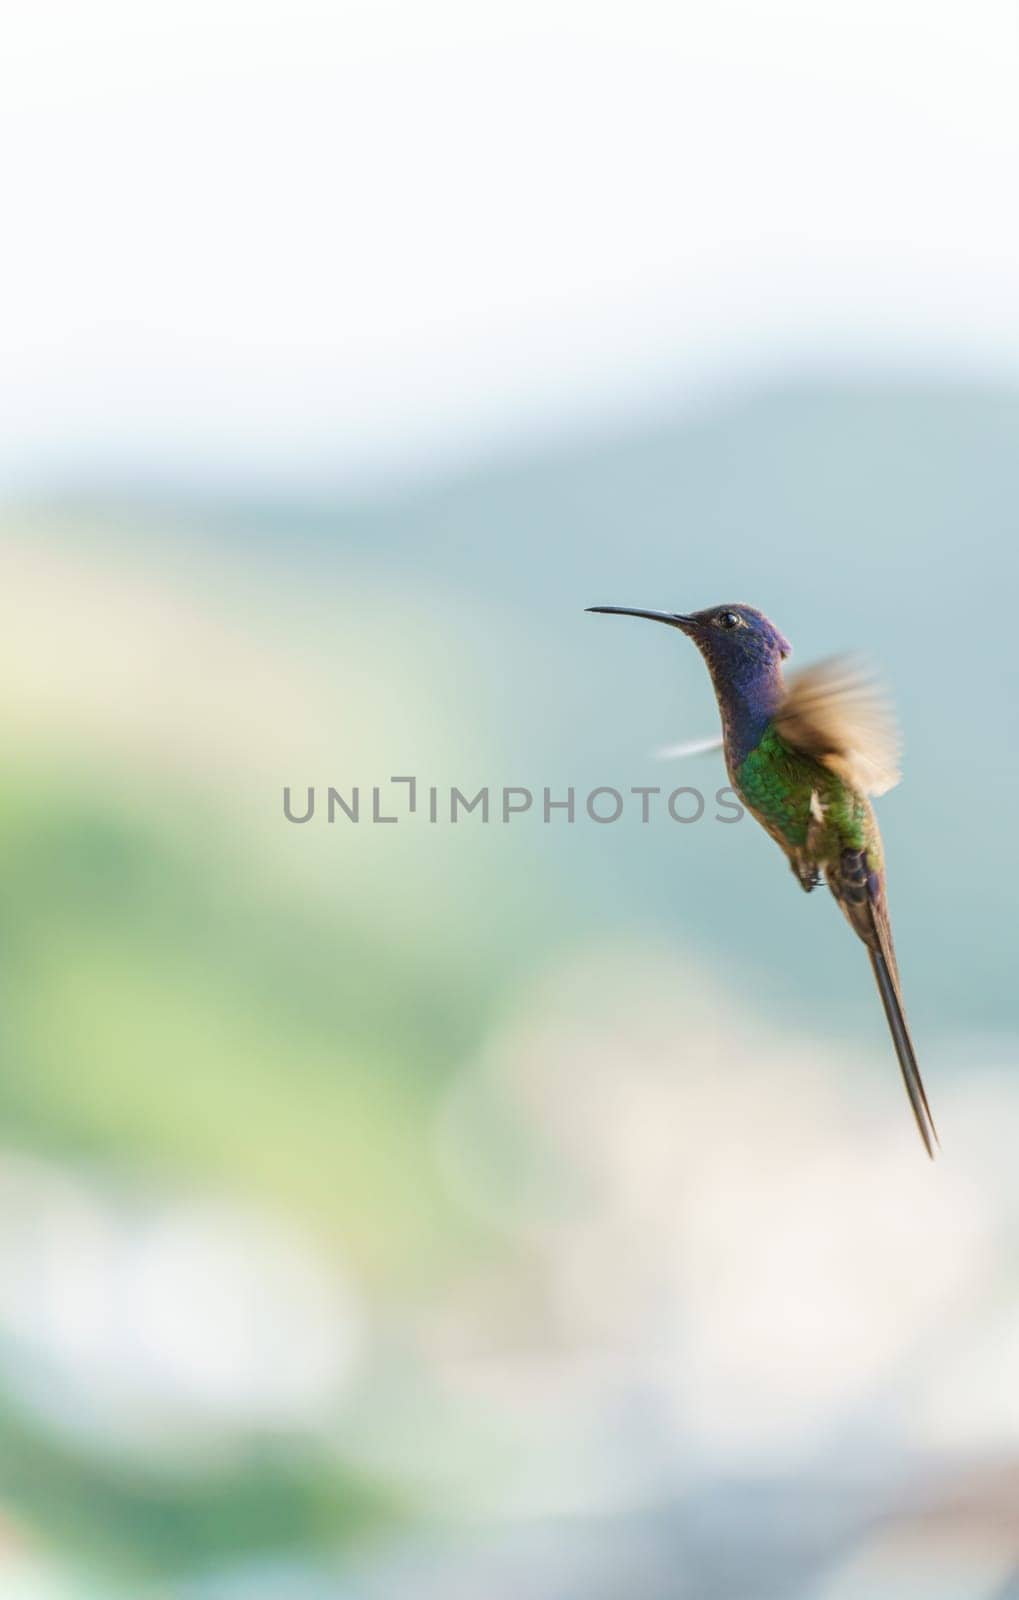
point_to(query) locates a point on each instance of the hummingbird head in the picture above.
(736, 641)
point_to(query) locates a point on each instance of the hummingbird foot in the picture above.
(808, 877)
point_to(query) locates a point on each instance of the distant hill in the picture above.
(882, 516)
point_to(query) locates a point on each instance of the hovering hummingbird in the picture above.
(804, 755)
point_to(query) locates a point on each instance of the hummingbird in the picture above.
(804, 755)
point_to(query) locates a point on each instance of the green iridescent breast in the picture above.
(777, 783)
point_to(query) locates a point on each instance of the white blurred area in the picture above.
(748, 1260)
(165, 1326)
(279, 245)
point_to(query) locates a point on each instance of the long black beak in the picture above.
(675, 619)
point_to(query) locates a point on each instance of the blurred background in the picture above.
(531, 1210)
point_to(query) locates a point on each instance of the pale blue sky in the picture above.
(292, 244)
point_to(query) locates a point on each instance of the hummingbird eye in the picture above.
(728, 619)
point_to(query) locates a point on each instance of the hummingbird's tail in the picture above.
(860, 891)
(888, 988)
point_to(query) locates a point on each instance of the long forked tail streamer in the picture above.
(889, 992)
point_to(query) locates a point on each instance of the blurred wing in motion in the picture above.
(690, 747)
(836, 712)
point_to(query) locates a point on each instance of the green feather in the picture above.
(778, 783)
